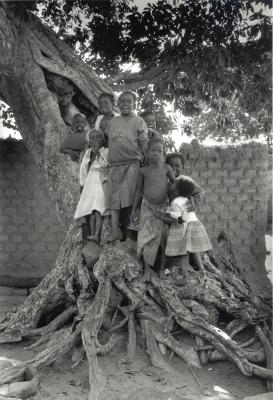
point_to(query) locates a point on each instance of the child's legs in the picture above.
(124, 220)
(98, 224)
(92, 223)
(196, 257)
(116, 233)
(149, 272)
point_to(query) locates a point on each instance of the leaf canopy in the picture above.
(211, 59)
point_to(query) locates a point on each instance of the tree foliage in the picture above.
(211, 59)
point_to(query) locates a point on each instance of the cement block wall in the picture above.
(30, 234)
(269, 185)
(235, 182)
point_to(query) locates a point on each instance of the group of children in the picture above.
(124, 175)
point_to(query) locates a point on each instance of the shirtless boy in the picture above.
(153, 185)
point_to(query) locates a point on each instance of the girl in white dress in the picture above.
(93, 201)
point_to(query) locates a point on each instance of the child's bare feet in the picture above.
(148, 273)
(94, 238)
(115, 236)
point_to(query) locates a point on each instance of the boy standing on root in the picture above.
(153, 184)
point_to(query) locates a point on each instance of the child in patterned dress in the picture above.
(187, 234)
(127, 135)
(93, 198)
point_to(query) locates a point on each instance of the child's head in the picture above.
(149, 118)
(175, 160)
(126, 102)
(96, 139)
(78, 123)
(185, 187)
(106, 102)
(155, 150)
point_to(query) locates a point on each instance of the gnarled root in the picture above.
(162, 307)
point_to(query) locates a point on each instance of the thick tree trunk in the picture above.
(163, 309)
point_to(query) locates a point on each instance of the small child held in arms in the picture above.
(93, 198)
(187, 234)
(149, 118)
(127, 135)
(153, 185)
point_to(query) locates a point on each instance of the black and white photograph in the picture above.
(136, 200)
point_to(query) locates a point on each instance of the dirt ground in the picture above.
(220, 381)
(60, 382)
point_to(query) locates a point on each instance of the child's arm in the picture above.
(172, 215)
(168, 219)
(170, 174)
(138, 194)
(72, 153)
(142, 135)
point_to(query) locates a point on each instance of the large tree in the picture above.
(203, 56)
(43, 82)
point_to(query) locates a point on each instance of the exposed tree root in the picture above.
(53, 291)
(215, 312)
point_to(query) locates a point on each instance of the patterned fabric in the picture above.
(93, 195)
(151, 230)
(194, 240)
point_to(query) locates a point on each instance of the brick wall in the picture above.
(269, 185)
(235, 182)
(30, 234)
(234, 179)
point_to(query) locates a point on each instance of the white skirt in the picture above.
(92, 197)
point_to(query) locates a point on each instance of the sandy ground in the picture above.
(61, 382)
(222, 380)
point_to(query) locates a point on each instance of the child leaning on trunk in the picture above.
(127, 138)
